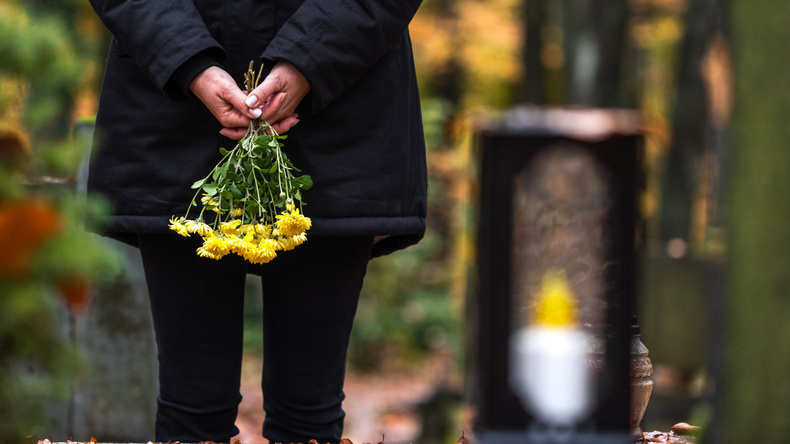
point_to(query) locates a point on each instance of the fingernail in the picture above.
(256, 112)
(251, 101)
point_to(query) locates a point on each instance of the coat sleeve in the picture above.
(160, 36)
(334, 42)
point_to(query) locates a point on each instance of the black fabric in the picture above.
(197, 308)
(360, 134)
(310, 298)
(186, 73)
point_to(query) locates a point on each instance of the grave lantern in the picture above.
(553, 308)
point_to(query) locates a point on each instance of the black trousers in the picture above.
(310, 297)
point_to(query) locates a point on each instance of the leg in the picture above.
(197, 306)
(310, 298)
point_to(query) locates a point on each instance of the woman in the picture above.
(339, 78)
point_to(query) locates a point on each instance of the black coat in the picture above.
(360, 132)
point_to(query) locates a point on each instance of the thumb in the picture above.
(261, 95)
(235, 96)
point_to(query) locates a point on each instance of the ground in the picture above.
(375, 405)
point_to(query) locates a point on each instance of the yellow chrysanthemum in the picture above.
(258, 229)
(208, 200)
(250, 243)
(237, 245)
(237, 212)
(202, 252)
(197, 227)
(293, 223)
(215, 245)
(261, 253)
(203, 229)
(231, 227)
(189, 224)
(177, 225)
(264, 231)
(291, 242)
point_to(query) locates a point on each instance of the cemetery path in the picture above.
(375, 405)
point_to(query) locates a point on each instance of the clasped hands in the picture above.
(274, 100)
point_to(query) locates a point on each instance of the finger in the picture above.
(283, 126)
(234, 96)
(260, 95)
(233, 133)
(233, 118)
(274, 111)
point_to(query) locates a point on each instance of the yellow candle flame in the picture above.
(555, 302)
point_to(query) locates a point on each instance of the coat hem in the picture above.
(400, 231)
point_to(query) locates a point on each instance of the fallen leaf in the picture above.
(685, 429)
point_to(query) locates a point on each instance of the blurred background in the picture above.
(708, 79)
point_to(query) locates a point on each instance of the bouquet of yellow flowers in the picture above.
(256, 197)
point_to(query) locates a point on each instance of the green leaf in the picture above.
(210, 188)
(223, 151)
(236, 192)
(198, 184)
(264, 139)
(220, 171)
(304, 182)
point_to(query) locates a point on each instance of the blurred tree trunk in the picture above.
(534, 84)
(689, 125)
(595, 45)
(756, 387)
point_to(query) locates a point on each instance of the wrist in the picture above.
(186, 74)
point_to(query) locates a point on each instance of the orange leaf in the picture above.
(75, 293)
(24, 227)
